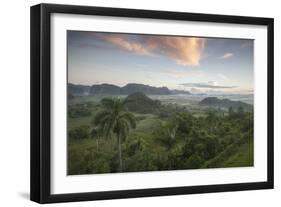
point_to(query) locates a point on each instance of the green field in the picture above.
(169, 134)
(242, 158)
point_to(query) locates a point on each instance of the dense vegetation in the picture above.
(136, 133)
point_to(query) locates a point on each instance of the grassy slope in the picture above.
(243, 157)
(233, 156)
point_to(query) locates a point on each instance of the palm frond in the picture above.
(105, 125)
(100, 116)
(109, 127)
(130, 118)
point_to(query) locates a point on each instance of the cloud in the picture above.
(183, 50)
(123, 43)
(212, 83)
(209, 85)
(227, 55)
(223, 77)
(195, 90)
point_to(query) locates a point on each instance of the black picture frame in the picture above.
(41, 99)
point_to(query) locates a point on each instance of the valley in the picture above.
(172, 132)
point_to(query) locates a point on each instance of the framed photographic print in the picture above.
(133, 103)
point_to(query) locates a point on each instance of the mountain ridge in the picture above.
(111, 89)
(225, 103)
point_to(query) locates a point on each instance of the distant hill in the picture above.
(110, 89)
(225, 103)
(105, 89)
(78, 90)
(146, 89)
(140, 103)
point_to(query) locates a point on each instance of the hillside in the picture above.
(225, 103)
(146, 89)
(238, 155)
(140, 103)
(78, 90)
(243, 156)
(105, 89)
(110, 89)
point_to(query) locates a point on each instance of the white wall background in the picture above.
(14, 102)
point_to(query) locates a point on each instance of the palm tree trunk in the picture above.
(120, 153)
(97, 143)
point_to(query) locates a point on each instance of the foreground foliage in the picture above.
(167, 138)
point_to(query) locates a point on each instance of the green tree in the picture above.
(194, 162)
(115, 121)
(240, 111)
(80, 132)
(184, 121)
(168, 134)
(167, 138)
(96, 133)
(230, 111)
(212, 120)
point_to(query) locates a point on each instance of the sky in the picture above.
(196, 64)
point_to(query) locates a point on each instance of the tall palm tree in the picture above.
(115, 121)
(96, 132)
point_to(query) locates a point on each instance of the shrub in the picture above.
(81, 132)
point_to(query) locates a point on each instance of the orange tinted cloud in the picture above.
(182, 50)
(121, 41)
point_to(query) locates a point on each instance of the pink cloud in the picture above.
(122, 42)
(182, 50)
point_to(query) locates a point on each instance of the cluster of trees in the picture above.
(79, 110)
(179, 141)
